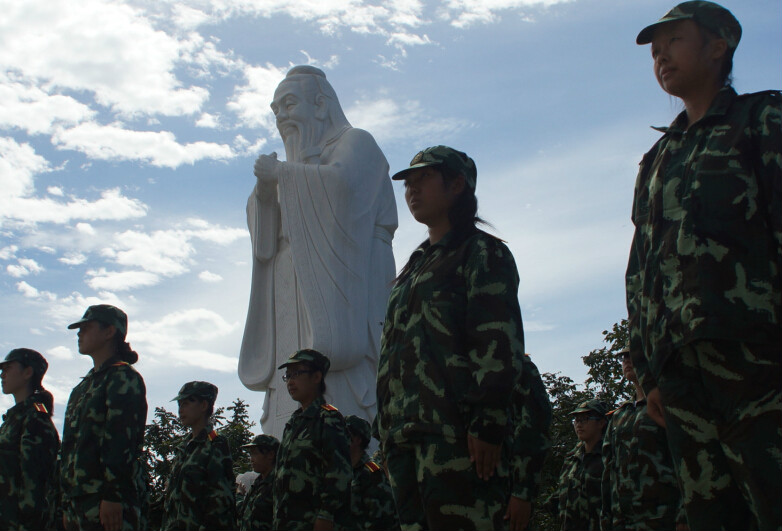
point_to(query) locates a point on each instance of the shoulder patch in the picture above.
(372, 466)
(328, 407)
(212, 435)
(40, 408)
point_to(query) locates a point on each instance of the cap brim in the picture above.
(78, 323)
(647, 34)
(581, 410)
(401, 175)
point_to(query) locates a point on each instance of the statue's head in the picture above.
(306, 108)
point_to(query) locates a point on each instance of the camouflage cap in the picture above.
(709, 15)
(106, 314)
(308, 355)
(598, 406)
(263, 442)
(202, 390)
(359, 427)
(456, 161)
(28, 358)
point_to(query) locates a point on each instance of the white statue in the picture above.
(321, 225)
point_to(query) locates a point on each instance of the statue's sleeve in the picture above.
(263, 215)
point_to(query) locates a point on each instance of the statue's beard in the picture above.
(298, 138)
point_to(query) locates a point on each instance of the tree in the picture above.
(238, 433)
(605, 382)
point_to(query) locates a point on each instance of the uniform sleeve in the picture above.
(768, 165)
(531, 437)
(220, 509)
(126, 414)
(39, 445)
(337, 470)
(495, 335)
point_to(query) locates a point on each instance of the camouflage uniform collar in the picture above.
(579, 452)
(106, 364)
(202, 435)
(719, 107)
(15, 409)
(313, 409)
(449, 240)
(21, 406)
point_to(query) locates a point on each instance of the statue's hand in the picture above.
(265, 168)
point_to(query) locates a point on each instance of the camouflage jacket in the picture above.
(28, 451)
(706, 257)
(257, 509)
(103, 435)
(577, 500)
(313, 474)
(639, 484)
(529, 438)
(452, 329)
(371, 500)
(200, 491)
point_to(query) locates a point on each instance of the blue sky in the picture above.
(129, 129)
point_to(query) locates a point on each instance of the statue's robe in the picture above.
(322, 271)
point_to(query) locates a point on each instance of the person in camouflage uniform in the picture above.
(257, 510)
(446, 370)
(28, 445)
(102, 471)
(529, 442)
(640, 492)
(577, 501)
(371, 500)
(704, 277)
(313, 474)
(200, 491)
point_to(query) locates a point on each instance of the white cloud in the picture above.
(8, 252)
(55, 190)
(244, 148)
(389, 120)
(208, 121)
(32, 109)
(100, 279)
(19, 164)
(465, 13)
(163, 252)
(188, 18)
(112, 205)
(85, 228)
(208, 276)
(151, 257)
(60, 352)
(73, 259)
(171, 339)
(158, 148)
(108, 48)
(33, 293)
(24, 267)
(251, 101)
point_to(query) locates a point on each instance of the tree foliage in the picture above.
(605, 382)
